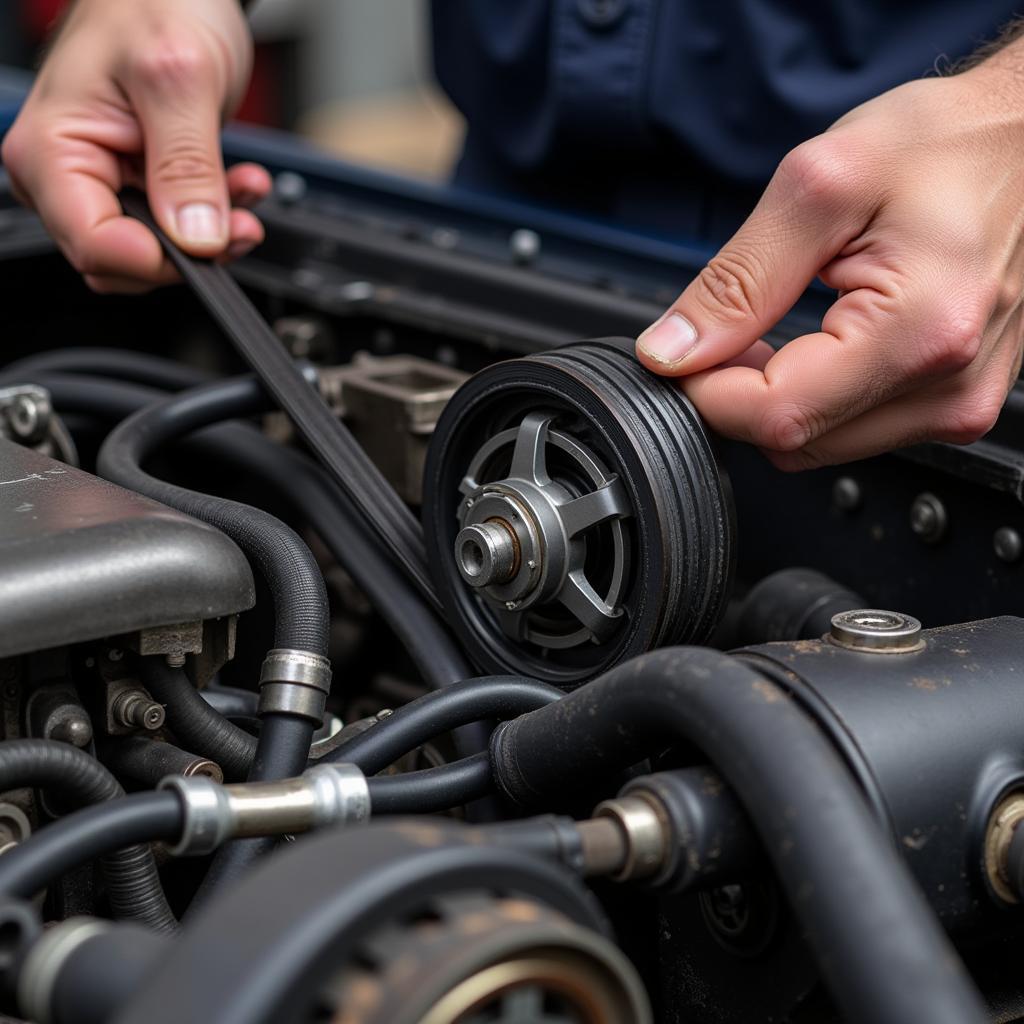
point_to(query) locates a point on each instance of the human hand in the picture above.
(134, 94)
(912, 207)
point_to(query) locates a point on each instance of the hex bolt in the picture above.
(846, 494)
(876, 631)
(175, 659)
(135, 709)
(1007, 544)
(928, 518)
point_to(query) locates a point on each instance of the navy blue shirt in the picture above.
(672, 114)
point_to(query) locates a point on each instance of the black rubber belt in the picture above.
(331, 441)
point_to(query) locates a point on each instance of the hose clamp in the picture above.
(45, 961)
(208, 818)
(294, 683)
(341, 794)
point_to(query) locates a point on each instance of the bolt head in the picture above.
(876, 630)
(928, 518)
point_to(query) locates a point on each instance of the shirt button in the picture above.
(601, 14)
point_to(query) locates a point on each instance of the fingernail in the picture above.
(199, 222)
(669, 340)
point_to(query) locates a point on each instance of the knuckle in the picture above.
(173, 63)
(787, 428)
(728, 286)
(953, 342)
(974, 418)
(817, 171)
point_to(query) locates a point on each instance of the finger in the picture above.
(957, 411)
(177, 96)
(248, 184)
(75, 185)
(804, 219)
(874, 347)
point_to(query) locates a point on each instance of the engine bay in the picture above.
(446, 669)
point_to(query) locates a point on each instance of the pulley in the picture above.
(575, 514)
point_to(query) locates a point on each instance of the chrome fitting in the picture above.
(645, 836)
(46, 959)
(294, 683)
(326, 794)
(207, 816)
(341, 794)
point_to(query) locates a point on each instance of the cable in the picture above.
(879, 947)
(423, 719)
(132, 880)
(81, 837)
(432, 789)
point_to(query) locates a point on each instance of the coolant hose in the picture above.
(133, 884)
(300, 600)
(878, 945)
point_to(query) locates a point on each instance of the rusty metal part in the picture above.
(134, 708)
(475, 958)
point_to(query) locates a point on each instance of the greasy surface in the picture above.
(82, 559)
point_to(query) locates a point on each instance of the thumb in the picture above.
(755, 278)
(178, 104)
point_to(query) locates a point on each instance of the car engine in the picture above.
(381, 644)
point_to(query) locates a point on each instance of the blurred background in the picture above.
(352, 76)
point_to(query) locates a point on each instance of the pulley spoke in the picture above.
(579, 598)
(529, 460)
(607, 502)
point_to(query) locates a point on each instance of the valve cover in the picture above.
(82, 559)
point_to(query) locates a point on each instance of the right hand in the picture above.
(134, 94)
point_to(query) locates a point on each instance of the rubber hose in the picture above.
(433, 789)
(147, 761)
(79, 838)
(310, 492)
(119, 363)
(878, 945)
(133, 884)
(195, 723)
(427, 717)
(301, 612)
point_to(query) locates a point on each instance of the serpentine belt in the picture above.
(383, 511)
